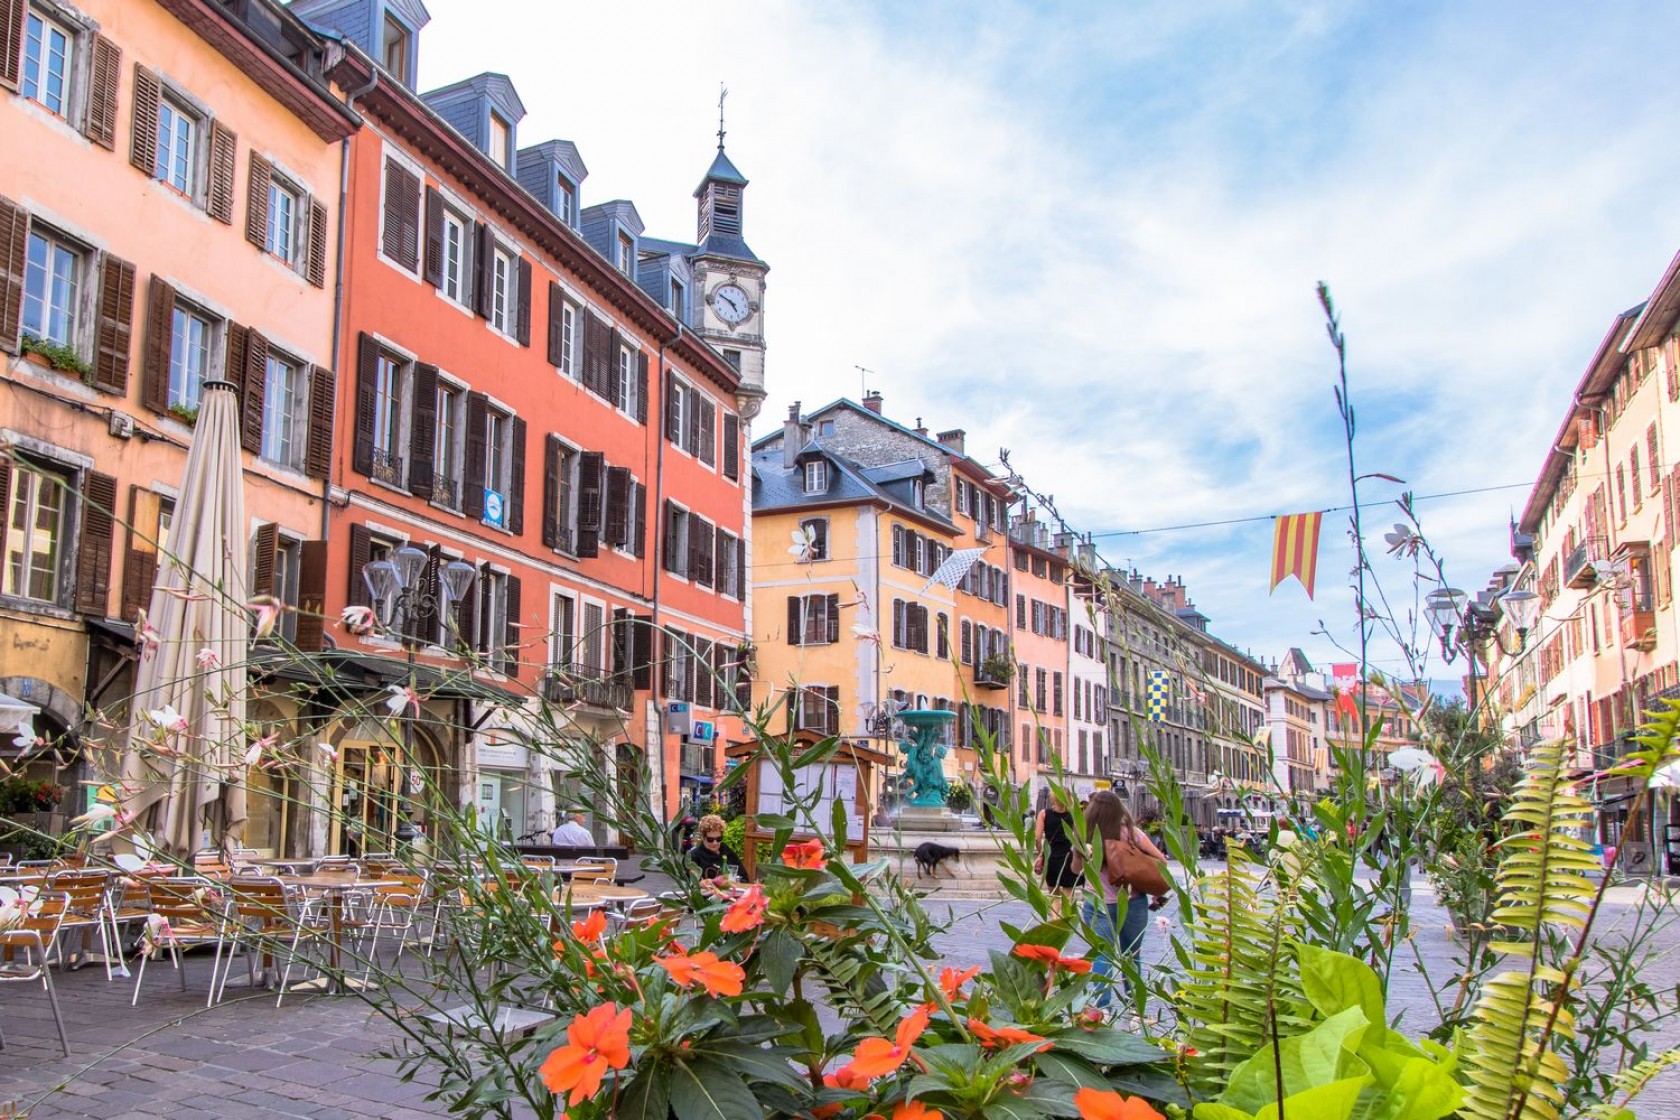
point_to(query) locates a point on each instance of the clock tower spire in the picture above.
(729, 275)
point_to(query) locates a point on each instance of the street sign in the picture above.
(677, 717)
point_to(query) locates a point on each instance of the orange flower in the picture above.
(877, 1057)
(747, 912)
(1105, 1104)
(596, 1041)
(719, 978)
(915, 1110)
(952, 981)
(1047, 954)
(806, 856)
(999, 1037)
(592, 927)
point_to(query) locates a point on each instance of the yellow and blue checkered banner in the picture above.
(1157, 705)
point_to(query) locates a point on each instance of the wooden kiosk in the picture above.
(847, 775)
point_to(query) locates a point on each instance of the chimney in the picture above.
(793, 436)
(872, 401)
(954, 440)
(921, 428)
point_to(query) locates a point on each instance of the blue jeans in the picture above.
(1104, 920)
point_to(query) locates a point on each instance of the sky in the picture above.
(1090, 234)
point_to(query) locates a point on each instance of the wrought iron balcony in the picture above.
(593, 688)
(994, 672)
(388, 467)
(1579, 569)
(446, 491)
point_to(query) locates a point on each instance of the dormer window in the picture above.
(395, 53)
(816, 477)
(565, 199)
(679, 300)
(626, 255)
(500, 140)
(918, 493)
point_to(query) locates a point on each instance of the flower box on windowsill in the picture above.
(185, 413)
(55, 356)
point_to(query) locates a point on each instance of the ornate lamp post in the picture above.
(400, 598)
(1465, 624)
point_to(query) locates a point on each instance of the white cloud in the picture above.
(1091, 235)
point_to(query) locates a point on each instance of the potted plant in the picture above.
(186, 413)
(997, 667)
(56, 355)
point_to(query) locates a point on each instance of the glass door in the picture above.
(364, 800)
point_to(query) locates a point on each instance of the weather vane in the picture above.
(723, 92)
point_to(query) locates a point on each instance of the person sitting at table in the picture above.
(712, 856)
(573, 833)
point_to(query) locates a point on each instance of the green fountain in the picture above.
(924, 781)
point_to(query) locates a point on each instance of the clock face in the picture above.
(731, 304)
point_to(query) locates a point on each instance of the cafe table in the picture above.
(601, 894)
(334, 888)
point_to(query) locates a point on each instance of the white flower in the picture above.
(358, 620)
(96, 815)
(146, 635)
(267, 609)
(1162, 924)
(401, 697)
(255, 753)
(804, 541)
(208, 658)
(327, 749)
(167, 718)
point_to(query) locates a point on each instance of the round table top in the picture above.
(326, 881)
(603, 892)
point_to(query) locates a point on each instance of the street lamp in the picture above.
(1468, 624)
(400, 598)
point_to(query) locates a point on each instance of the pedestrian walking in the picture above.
(1115, 932)
(1053, 842)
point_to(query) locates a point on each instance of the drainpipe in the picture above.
(658, 507)
(338, 267)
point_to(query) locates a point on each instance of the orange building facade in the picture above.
(514, 397)
(166, 214)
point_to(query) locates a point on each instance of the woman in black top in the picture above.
(1055, 849)
(712, 856)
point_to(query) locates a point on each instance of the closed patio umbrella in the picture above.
(184, 768)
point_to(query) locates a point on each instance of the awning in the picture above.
(347, 673)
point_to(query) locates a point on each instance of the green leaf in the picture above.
(704, 1091)
(1070, 1068)
(1054, 934)
(1334, 982)
(779, 955)
(1213, 1110)
(1107, 1046)
(1334, 1101)
(648, 1097)
(1156, 1084)
(1010, 1107)
(1319, 1057)
(756, 1063)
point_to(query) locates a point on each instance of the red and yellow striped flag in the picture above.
(1295, 549)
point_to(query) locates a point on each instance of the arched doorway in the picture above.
(383, 790)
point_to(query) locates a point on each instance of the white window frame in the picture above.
(498, 457)
(503, 290)
(393, 414)
(500, 137)
(290, 252)
(51, 23)
(565, 513)
(454, 286)
(628, 384)
(403, 39)
(816, 471)
(166, 167)
(685, 526)
(727, 573)
(449, 446)
(812, 555)
(184, 394)
(567, 194)
(561, 642)
(77, 310)
(569, 318)
(274, 419)
(288, 558)
(41, 476)
(626, 254)
(492, 619)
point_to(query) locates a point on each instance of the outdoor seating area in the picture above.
(239, 923)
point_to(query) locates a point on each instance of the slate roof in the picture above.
(724, 245)
(847, 402)
(620, 209)
(723, 171)
(775, 487)
(563, 152)
(498, 87)
(660, 247)
(897, 472)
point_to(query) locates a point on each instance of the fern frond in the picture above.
(1544, 863)
(1235, 976)
(1629, 1083)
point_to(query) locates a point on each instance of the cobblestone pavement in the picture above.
(314, 1056)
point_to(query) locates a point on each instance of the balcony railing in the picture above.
(993, 672)
(446, 491)
(388, 466)
(1579, 570)
(593, 688)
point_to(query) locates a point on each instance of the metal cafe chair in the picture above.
(182, 918)
(266, 919)
(90, 910)
(28, 947)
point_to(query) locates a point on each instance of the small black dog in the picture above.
(930, 855)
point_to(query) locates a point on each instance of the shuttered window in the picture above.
(400, 234)
(33, 549)
(731, 446)
(93, 550)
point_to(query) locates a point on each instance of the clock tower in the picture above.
(729, 281)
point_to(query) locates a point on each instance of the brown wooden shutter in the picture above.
(361, 552)
(704, 534)
(723, 556)
(708, 433)
(691, 437)
(5, 499)
(104, 75)
(422, 433)
(434, 238)
(556, 325)
(638, 517)
(617, 527)
(466, 616)
(312, 596)
(367, 398)
(256, 200)
(694, 553)
(795, 620)
(515, 514)
(484, 254)
(139, 574)
(93, 551)
(160, 327)
(731, 446)
(510, 631)
(265, 558)
(14, 247)
(422, 625)
(12, 13)
(315, 268)
(401, 239)
(641, 654)
(741, 568)
(641, 387)
(591, 469)
(255, 390)
(116, 325)
(224, 143)
(522, 328)
(478, 447)
(702, 658)
(551, 492)
(596, 338)
(673, 407)
(143, 131)
(323, 390)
